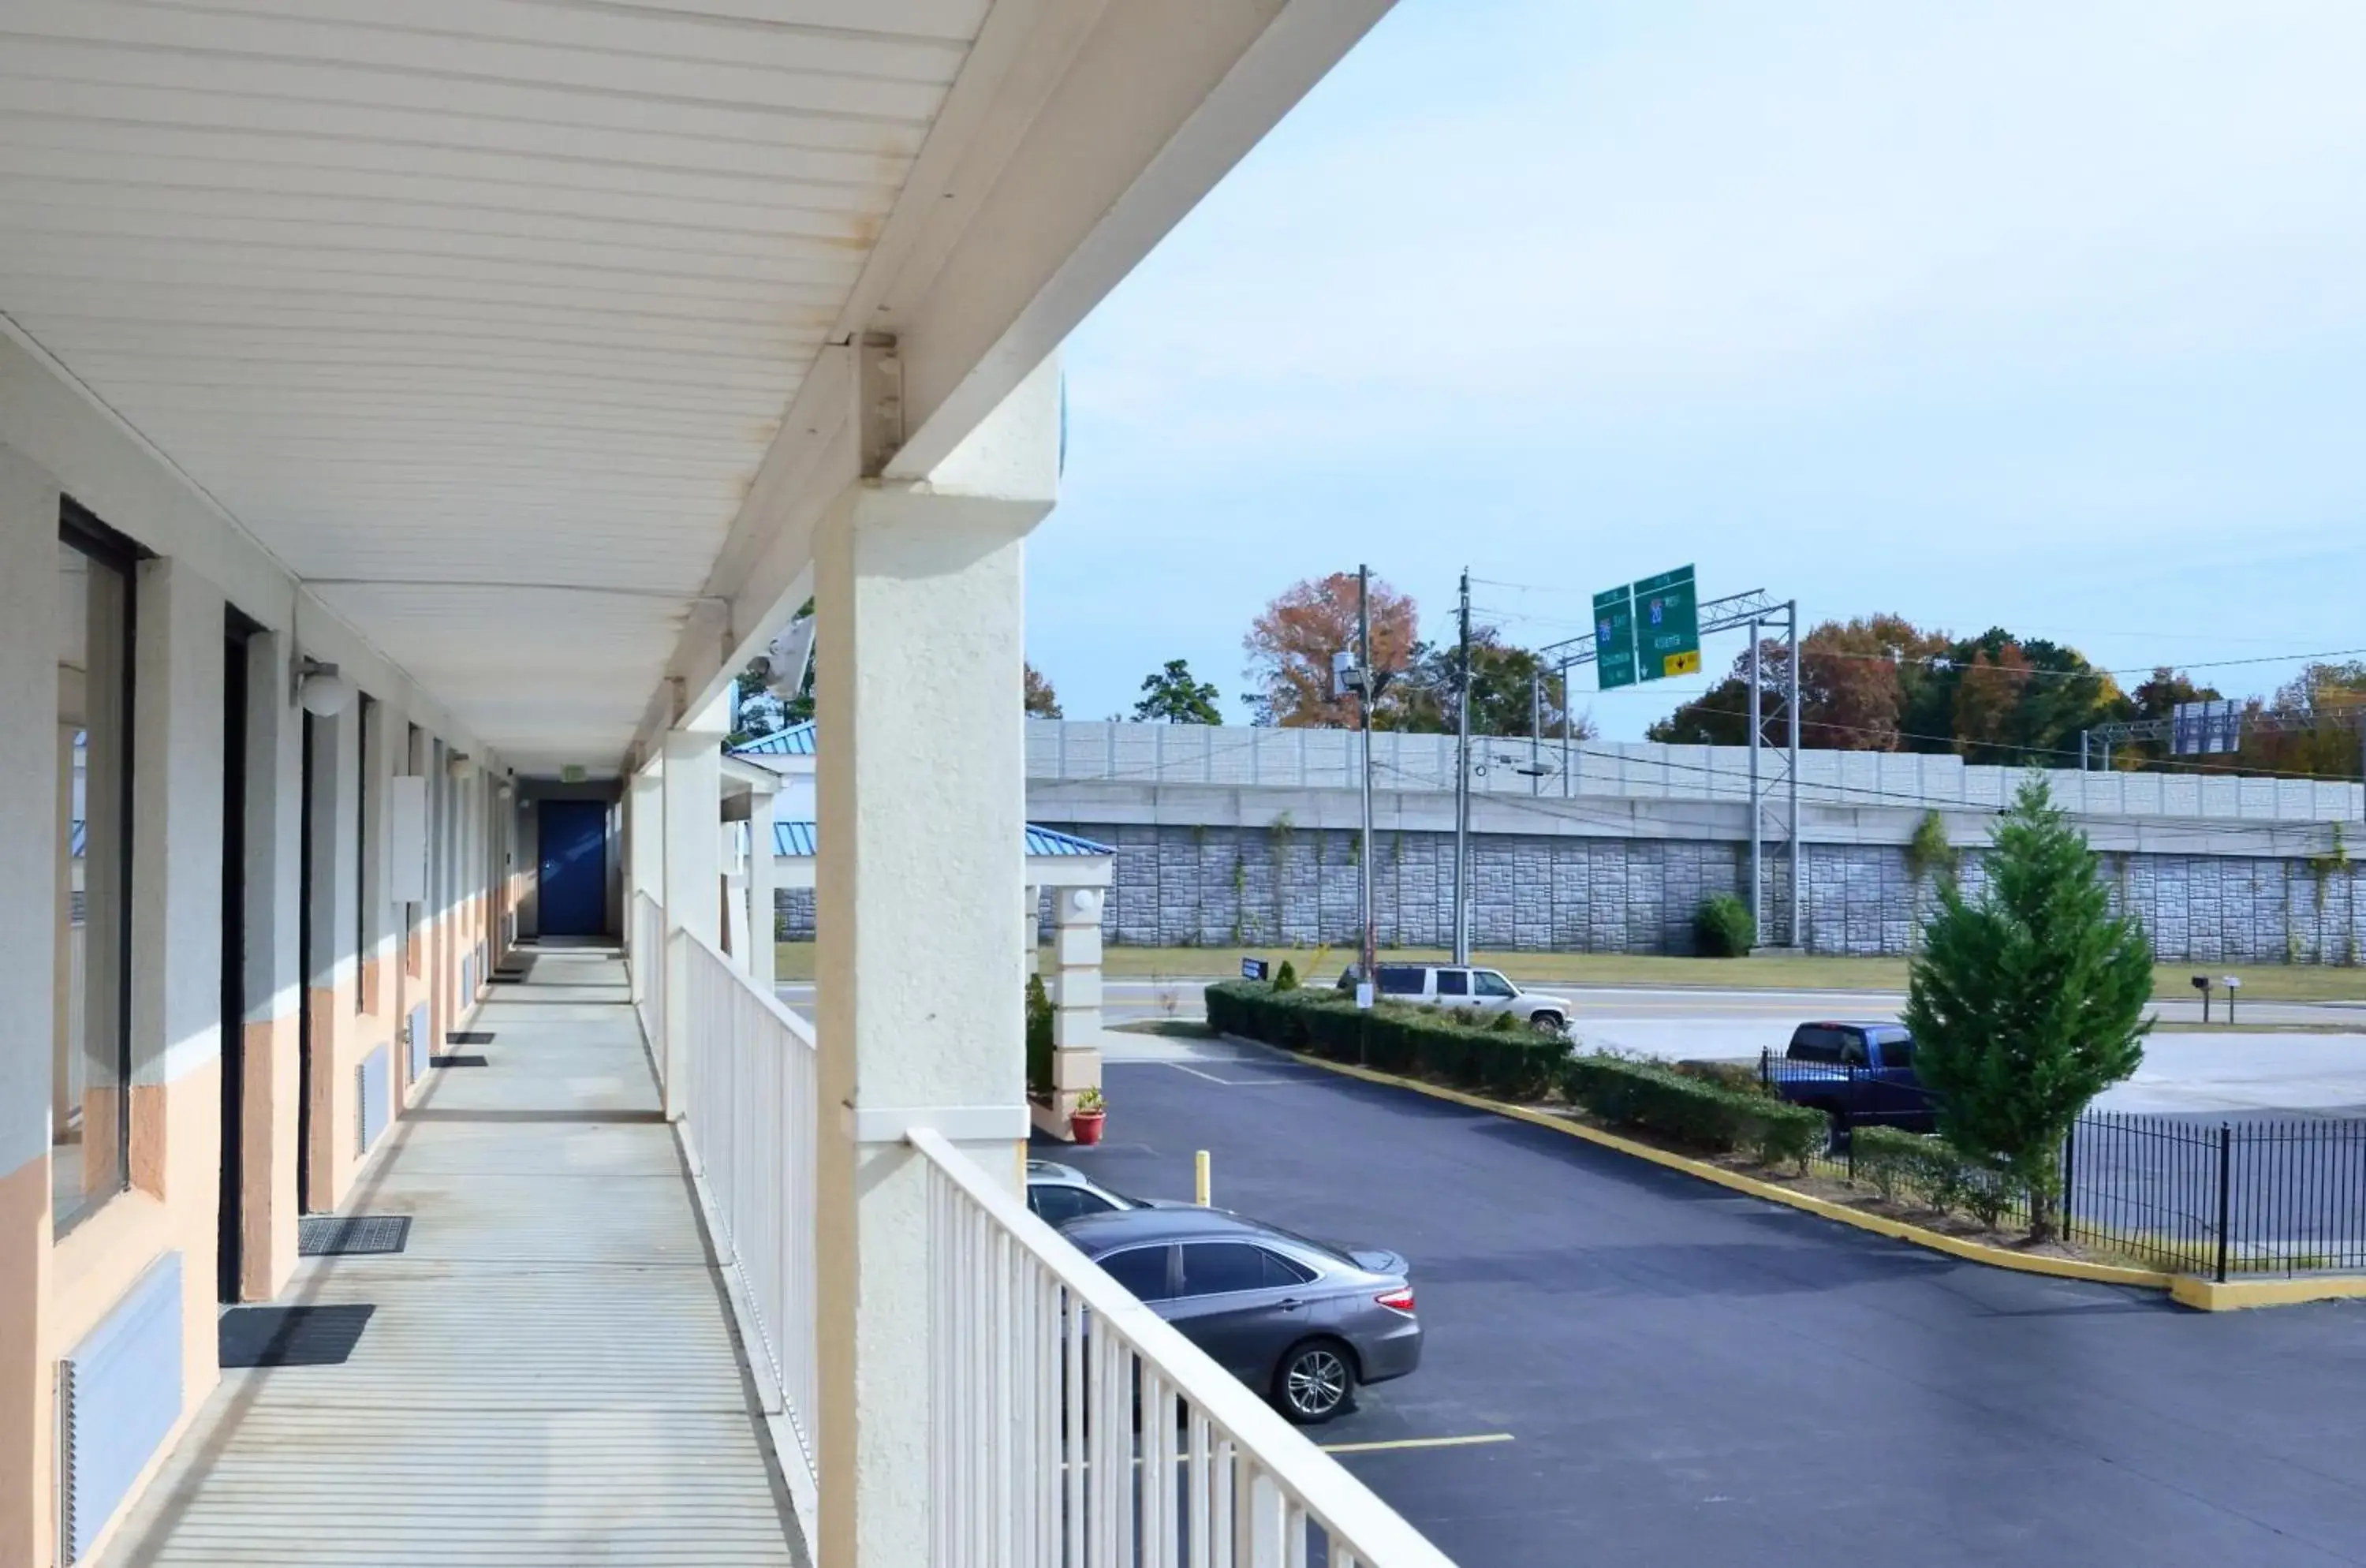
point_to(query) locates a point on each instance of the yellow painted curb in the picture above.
(1898, 1230)
(2209, 1295)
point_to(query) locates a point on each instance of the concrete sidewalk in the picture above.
(550, 1376)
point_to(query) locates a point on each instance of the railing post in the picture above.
(2225, 1190)
(2069, 1173)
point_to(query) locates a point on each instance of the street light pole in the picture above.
(1757, 808)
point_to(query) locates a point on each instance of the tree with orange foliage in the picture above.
(1041, 700)
(1291, 643)
(1988, 705)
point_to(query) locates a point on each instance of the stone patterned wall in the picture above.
(1222, 886)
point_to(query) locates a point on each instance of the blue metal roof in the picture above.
(1051, 841)
(796, 740)
(796, 839)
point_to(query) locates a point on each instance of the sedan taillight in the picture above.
(1397, 1301)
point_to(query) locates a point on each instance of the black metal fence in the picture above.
(2217, 1196)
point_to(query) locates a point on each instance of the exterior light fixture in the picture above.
(460, 765)
(1083, 900)
(320, 689)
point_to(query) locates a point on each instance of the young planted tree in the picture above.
(2029, 1001)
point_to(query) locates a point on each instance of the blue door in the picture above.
(574, 841)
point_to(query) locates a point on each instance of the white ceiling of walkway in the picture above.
(448, 294)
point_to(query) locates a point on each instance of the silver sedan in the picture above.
(1301, 1323)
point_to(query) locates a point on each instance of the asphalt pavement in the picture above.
(1624, 1366)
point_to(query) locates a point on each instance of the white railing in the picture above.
(1071, 1426)
(749, 1127)
(646, 957)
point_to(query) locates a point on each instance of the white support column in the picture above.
(644, 868)
(919, 604)
(1030, 906)
(694, 874)
(1075, 994)
(763, 903)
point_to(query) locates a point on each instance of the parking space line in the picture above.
(1471, 1441)
(1229, 1083)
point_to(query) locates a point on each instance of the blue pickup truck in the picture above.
(1858, 1074)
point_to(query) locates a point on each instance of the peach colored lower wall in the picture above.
(267, 1159)
(25, 1527)
(174, 1205)
(341, 1038)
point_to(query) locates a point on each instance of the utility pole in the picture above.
(1568, 733)
(1462, 789)
(1364, 686)
(1791, 705)
(1757, 812)
(1536, 731)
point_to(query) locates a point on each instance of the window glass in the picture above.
(1810, 1044)
(90, 1046)
(1141, 1269)
(1454, 982)
(1398, 980)
(1281, 1271)
(1058, 1204)
(1852, 1051)
(1491, 984)
(1896, 1050)
(1217, 1267)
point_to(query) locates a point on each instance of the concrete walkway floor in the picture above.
(550, 1376)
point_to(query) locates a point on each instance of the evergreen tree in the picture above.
(2029, 1001)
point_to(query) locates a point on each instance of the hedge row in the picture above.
(1932, 1171)
(1692, 1110)
(1514, 1063)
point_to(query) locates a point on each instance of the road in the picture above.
(1686, 1376)
(2225, 1072)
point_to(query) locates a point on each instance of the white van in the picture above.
(1480, 990)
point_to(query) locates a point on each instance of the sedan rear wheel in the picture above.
(1316, 1382)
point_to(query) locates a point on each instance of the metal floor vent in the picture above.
(351, 1235)
(292, 1337)
(468, 1037)
(460, 1061)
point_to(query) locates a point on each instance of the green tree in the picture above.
(2029, 1001)
(1502, 690)
(1172, 695)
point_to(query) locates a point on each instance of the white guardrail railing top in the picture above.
(1119, 752)
(1059, 1401)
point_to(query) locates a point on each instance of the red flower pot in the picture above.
(1084, 1126)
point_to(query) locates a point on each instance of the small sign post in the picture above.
(1254, 969)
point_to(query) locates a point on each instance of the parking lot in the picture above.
(1624, 1366)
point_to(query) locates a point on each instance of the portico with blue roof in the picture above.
(1076, 873)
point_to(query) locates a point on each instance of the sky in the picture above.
(2022, 314)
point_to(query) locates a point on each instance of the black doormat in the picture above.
(462, 1061)
(468, 1037)
(292, 1337)
(351, 1235)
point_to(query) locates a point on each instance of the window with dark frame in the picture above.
(91, 1043)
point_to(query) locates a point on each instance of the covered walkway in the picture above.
(549, 1375)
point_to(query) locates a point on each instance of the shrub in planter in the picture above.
(1038, 1036)
(1722, 927)
(1286, 978)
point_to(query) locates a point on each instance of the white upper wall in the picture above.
(1326, 759)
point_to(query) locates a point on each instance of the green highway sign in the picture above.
(1614, 638)
(1646, 631)
(1667, 625)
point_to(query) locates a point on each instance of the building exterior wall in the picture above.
(55, 1288)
